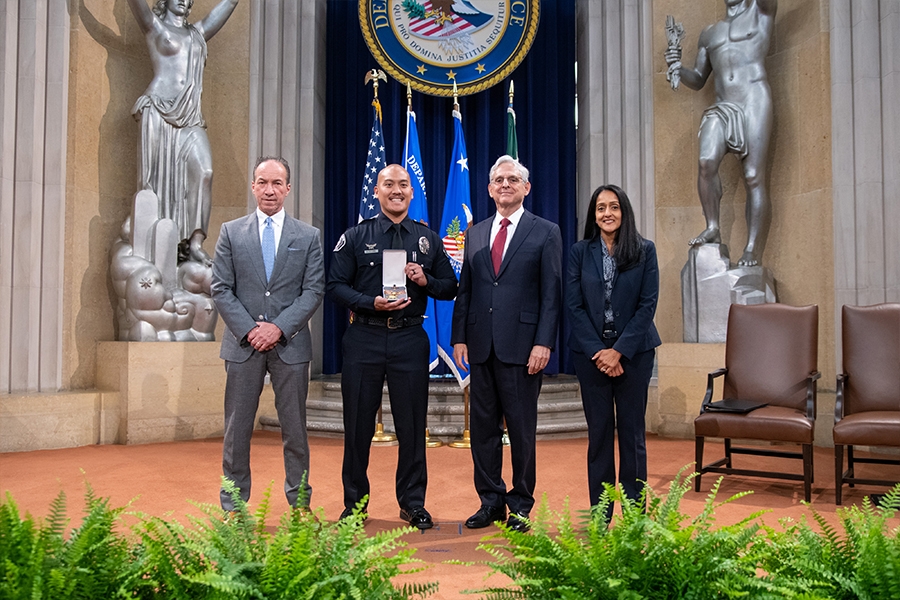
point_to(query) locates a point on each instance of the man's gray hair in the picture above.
(506, 158)
(278, 159)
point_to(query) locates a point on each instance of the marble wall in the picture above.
(833, 170)
(865, 92)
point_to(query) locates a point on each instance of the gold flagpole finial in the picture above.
(455, 97)
(408, 95)
(512, 91)
(374, 75)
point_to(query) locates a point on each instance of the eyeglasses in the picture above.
(511, 180)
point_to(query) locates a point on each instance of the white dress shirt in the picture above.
(277, 225)
(510, 229)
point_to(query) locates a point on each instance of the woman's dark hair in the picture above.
(629, 245)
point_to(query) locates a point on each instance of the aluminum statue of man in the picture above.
(740, 121)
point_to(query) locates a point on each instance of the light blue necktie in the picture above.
(268, 247)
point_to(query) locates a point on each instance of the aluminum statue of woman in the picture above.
(175, 161)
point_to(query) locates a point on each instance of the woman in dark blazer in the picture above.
(611, 293)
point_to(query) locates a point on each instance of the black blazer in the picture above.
(634, 296)
(520, 307)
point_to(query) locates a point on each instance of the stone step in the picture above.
(560, 413)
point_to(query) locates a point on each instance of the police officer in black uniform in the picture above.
(386, 338)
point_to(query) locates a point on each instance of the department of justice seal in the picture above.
(432, 43)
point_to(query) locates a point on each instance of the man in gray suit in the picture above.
(268, 280)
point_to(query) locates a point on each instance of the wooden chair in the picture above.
(770, 357)
(867, 409)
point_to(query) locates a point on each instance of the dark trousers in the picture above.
(372, 353)
(616, 404)
(244, 383)
(501, 390)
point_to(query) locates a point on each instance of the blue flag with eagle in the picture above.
(455, 220)
(375, 161)
(418, 211)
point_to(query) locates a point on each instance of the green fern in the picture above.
(653, 550)
(39, 561)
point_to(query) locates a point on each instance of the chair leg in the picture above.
(698, 457)
(728, 452)
(812, 466)
(807, 471)
(851, 470)
(838, 473)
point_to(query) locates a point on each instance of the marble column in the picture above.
(287, 107)
(615, 104)
(34, 61)
(865, 94)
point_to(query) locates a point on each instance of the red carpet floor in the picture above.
(160, 478)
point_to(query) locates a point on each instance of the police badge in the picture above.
(434, 43)
(424, 246)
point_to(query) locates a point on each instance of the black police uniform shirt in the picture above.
(355, 277)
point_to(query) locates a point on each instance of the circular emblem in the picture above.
(434, 43)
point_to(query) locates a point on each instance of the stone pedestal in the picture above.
(166, 392)
(710, 285)
(682, 383)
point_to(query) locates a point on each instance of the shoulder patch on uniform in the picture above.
(340, 243)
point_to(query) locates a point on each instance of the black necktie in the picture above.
(397, 243)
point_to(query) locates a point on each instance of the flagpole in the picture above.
(512, 141)
(429, 441)
(465, 441)
(381, 436)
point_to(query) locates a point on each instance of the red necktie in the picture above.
(499, 243)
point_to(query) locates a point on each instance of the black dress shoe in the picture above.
(485, 516)
(348, 512)
(417, 517)
(516, 522)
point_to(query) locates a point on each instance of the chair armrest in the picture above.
(709, 387)
(811, 389)
(839, 397)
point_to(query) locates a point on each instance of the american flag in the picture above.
(375, 161)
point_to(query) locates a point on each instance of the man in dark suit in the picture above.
(505, 324)
(268, 280)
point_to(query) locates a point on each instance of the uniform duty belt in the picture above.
(389, 322)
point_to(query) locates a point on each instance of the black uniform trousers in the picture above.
(616, 404)
(371, 353)
(501, 390)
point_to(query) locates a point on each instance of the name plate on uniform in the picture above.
(393, 274)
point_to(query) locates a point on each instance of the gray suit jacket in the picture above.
(288, 300)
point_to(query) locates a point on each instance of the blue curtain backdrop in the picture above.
(545, 108)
